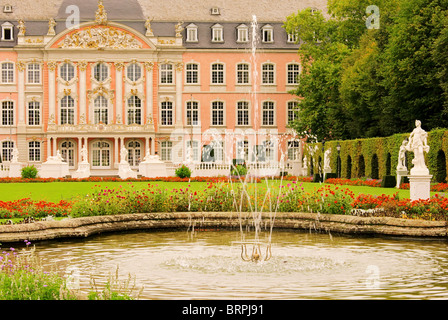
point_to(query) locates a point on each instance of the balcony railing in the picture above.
(100, 127)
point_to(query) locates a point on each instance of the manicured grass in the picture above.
(56, 191)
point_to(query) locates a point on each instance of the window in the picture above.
(68, 152)
(267, 34)
(217, 113)
(7, 147)
(242, 73)
(166, 116)
(7, 32)
(134, 110)
(242, 32)
(166, 150)
(218, 150)
(134, 72)
(192, 73)
(100, 72)
(268, 73)
(242, 113)
(293, 73)
(293, 150)
(242, 150)
(292, 109)
(34, 113)
(34, 151)
(67, 71)
(67, 110)
(269, 150)
(101, 154)
(268, 113)
(193, 149)
(192, 113)
(7, 72)
(33, 73)
(101, 110)
(217, 33)
(192, 33)
(166, 74)
(292, 38)
(7, 113)
(217, 73)
(134, 153)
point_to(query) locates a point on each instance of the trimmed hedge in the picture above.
(358, 156)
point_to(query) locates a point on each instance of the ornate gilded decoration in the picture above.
(51, 25)
(179, 29)
(22, 27)
(21, 65)
(119, 66)
(101, 91)
(83, 65)
(52, 65)
(149, 32)
(101, 38)
(179, 66)
(101, 14)
(149, 65)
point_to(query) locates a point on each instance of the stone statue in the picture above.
(15, 155)
(124, 154)
(51, 26)
(402, 157)
(179, 30)
(84, 154)
(149, 32)
(305, 162)
(327, 167)
(418, 144)
(22, 28)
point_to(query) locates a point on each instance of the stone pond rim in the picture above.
(344, 224)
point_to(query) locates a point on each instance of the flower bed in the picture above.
(355, 182)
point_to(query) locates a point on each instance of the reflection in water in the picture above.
(207, 265)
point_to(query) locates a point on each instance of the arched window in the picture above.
(100, 72)
(68, 152)
(134, 110)
(101, 152)
(134, 153)
(101, 110)
(67, 110)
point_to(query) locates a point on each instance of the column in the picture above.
(21, 66)
(82, 92)
(146, 144)
(52, 91)
(149, 66)
(116, 160)
(119, 92)
(55, 147)
(80, 144)
(179, 68)
(153, 145)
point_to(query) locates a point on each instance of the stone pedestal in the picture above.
(125, 171)
(15, 170)
(401, 173)
(153, 169)
(420, 187)
(83, 171)
(54, 170)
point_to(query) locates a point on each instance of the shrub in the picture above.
(183, 172)
(29, 172)
(239, 170)
(389, 182)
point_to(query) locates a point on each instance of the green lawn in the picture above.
(55, 191)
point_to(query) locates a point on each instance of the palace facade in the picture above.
(209, 83)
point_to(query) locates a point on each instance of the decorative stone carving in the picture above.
(21, 65)
(22, 28)
(101, 91)
(83, 65)
(179, 29)
(100, 38)
(149, 32)
(52, 65)
(418, 144)
(149, 66)
(327, 168)
(51, 25)
(119, 66)
(101, 14)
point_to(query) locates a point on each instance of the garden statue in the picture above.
(84, 153)
(123, 154)
(418, 144)
(15, 155)
(402, 157)
(327, 168)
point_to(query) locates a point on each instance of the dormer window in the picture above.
(242, 33)
(267, 33)
(7, 31)
(192, 33)
(7, 8)
(217, 33)
(292, 37)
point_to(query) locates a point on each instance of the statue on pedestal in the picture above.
(418, 144)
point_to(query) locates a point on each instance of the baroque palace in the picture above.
(175, 79)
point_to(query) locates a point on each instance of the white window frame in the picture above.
(8, 75)
(134, 152)
(68, 152)
(274, 75)
(192, 33)
(99, 108)
(7, 26)
(166, 74)
(193, 145)
(34, 151)
(102, 71)
(291, 107)
(69, 118)
(132, 70)
(189, 74)
(100, 145)
(166, 151)
(269, 113)
(33, 75)
(267, 34)
(220, 118)
(8, 113)
(194, 113)
(217, 33)
(34, 114)
(7, 146)
(292, 38)
(242, 33)
(134, 114)
(67, 69)
(289, 72)
(293, 147)
(242, 103)
(245, 74)
(216, 74)
(166, 113)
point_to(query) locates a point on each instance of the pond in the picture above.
(207, 264)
